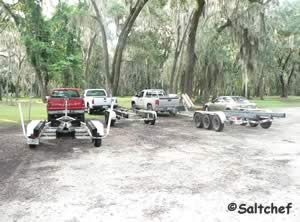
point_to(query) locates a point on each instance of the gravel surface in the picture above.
(167, 172)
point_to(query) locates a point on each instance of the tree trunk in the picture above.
(105, 47)
(191, 57)
(117, 60)
(87, 61)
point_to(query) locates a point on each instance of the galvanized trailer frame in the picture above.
(118, 113)
(39, 130)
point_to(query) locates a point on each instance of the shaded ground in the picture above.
(167, 172)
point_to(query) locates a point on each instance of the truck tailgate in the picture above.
(166, 101)
(59, 104)
(102, 101)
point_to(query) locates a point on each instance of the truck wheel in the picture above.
(253, 124)
(133, 106)
(266, 125)
(97, 142)
(49, 118)
(207, 122)
(81, 118)
(217, 124)
(172, 113)
(90, 111)
(149, 107)
(244, 124)
(198, 120)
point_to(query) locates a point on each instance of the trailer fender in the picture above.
(221, 115)
(99, 126)
(31, 126)
(112, 113)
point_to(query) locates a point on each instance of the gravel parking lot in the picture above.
(167, 172)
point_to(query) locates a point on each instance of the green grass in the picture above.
(124, 101)
(9, 114)
(277, 102)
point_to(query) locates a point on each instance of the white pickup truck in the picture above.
(156, 100)
(96, 100)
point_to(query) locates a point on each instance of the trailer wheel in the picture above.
(266, 125)
(97, 142)
(106, 116)
(32, 146)
(198, 120)
(253, 124)
(217, 124)
(206, 122)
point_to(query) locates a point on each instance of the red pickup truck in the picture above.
(63, 98)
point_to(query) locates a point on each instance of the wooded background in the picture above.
(204, 48)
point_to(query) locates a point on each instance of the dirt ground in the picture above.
(167, 172)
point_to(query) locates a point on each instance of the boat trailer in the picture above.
(118, 113)
(65, 126)
(216, 119)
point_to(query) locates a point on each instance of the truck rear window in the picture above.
(95, 93)
(65, 94)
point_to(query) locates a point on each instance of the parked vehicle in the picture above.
(65, 99)
(156, 100)
(97, 100)
(229, 103)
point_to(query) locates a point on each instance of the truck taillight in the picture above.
(157, 102)
(93, 101)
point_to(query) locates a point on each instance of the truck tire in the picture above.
(97, 142)
(89, 110)
(133, 106)
(198, 120)
(207, 122)
(173, 113)
(32, 146)
(49, 117)
(81, 118)
(266, 125)
(149, 107)
(217, 124)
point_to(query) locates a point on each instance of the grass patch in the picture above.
(277, 102)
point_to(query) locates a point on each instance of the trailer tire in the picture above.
(106, 116)
(253, 124)
(198, 120)
(207, 122)
(217, 124)
(97, 142)
(32, 146)
(266, 125)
